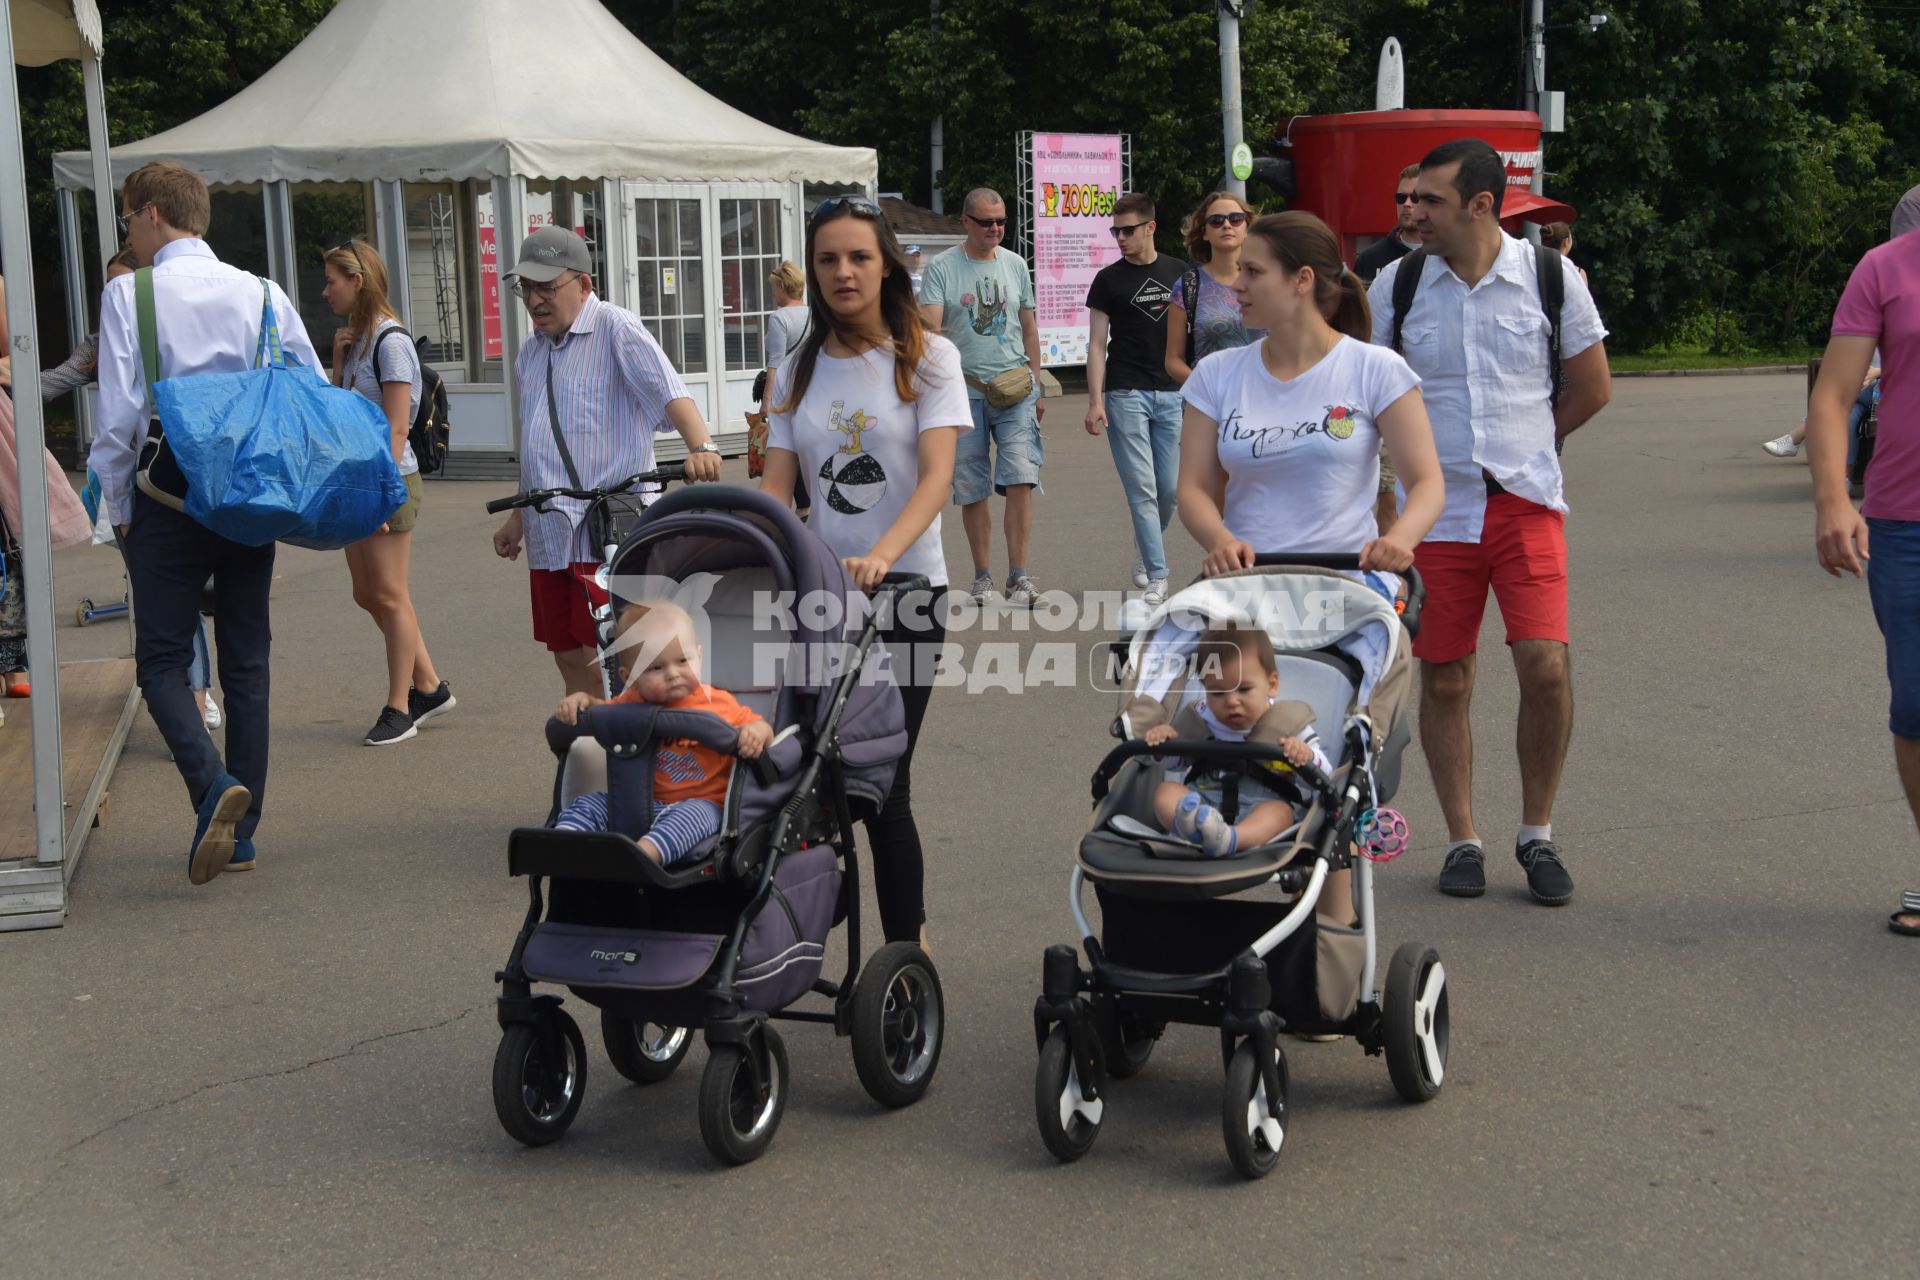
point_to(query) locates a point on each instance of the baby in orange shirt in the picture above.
(660, 664)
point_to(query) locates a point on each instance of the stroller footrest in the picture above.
(596, 855)
(1162, 984)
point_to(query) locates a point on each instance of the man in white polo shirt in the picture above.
(1478, 332)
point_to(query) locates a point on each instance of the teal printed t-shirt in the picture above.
(981, 304)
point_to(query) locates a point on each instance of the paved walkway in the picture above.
(1704, 1066)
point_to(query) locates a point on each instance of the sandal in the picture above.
(1909, 906)
(17, 686)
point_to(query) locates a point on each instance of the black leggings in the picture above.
(899, 873)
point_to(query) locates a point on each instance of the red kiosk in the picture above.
(1347, 166)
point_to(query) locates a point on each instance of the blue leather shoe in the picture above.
(242, 859)
(223, 806)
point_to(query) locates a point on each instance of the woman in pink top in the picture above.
(1880, 307)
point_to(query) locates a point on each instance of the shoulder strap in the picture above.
(380, 342)
(1190, 290)
(553, 420)
(269, 353)
(149, 330)
(1406, 281)
(1553, 293)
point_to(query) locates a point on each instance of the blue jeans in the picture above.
(200, 672)
(1143, 431)
(1017, 451)
(1893, 580)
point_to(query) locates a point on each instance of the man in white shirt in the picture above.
(207, 319)
(1478, 334)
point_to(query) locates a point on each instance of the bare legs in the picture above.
(1017, 523)
(1545, 727)
(1906, 757)
(379, 566)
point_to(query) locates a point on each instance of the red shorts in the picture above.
(1522, 555)
(561, 619)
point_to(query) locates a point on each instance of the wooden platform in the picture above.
(94, 714)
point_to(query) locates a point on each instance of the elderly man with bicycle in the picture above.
(594, 387)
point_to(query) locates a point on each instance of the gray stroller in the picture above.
(732, 938)
(1235, 942)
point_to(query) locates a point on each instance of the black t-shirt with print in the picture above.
(1135, 300)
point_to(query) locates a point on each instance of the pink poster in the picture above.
(489, 283)
(1076, 179)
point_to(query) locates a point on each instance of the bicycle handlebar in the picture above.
(665, 473)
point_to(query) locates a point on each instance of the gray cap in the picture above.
(1906, 214)
(549, 253)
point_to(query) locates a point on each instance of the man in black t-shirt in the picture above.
(1129, 394)
(1369, 262)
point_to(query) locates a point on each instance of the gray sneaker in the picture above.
(982, 590)
(1156, 592)
(1022, 591)
(1140, 578)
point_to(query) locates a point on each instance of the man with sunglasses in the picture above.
(1370, 261)
(1130, 394)
(980, 296)
(594, 387)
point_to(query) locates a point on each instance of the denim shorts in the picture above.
(1017, 452)
(1893, 580)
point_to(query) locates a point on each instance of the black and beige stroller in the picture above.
(1235, 942)
(731, 938)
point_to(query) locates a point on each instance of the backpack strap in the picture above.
(1553, 293)
(1406, 280)
(1190, 290)
(379, 342)
(149, 331)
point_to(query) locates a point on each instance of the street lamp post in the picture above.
(1232, 125)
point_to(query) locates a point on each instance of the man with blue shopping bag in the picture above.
(208, 320)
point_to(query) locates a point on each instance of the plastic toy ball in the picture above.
(1384, 835)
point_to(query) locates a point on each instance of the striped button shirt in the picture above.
(611, 386)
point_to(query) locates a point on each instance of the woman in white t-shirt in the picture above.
(869, 408)
(1292, 425)
(386, 370)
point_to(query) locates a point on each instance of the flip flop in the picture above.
(1909, 906)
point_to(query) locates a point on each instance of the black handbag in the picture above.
(156, 474)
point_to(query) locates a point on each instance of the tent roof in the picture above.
(47, 31)
(445, 90)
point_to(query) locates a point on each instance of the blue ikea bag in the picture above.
(279, 454)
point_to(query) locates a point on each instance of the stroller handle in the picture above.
(1416, 585)
(1209, 749)
(901, 583)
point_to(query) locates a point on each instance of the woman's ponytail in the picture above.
(1299, 240)
(1352, 315)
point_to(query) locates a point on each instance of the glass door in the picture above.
(671, 249)
(754, 237)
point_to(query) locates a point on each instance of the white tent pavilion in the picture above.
(448, 129)
(33, 889)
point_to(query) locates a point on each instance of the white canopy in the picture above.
(47, 31)
(446, 90)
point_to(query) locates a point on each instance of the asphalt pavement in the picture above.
(1703, 1066)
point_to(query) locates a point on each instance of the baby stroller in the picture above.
(1190, 939)
(730, 939)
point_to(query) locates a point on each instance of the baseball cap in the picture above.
(1906, 214)
(549, 253)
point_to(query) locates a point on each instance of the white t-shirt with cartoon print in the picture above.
(859, 445)
(1302, 457)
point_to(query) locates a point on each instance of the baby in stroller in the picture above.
(1241, 676)
(660, 665)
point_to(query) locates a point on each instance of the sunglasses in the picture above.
(985, 222)
(1404, 197)
(860, 205)
(1121, 233)
(126, 219)
(1225, 219)
(522, 289)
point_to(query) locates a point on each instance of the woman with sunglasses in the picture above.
(386, 370)
(871, 405)
(1215, 233)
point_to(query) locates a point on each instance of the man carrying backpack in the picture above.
(1510, 353)
(206, 319)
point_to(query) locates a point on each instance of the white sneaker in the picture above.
(1784, 447)
(1140, 578)
(1156, 592)
(213, 717)
(1021, 591)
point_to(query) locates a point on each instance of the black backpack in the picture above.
(1553, 292)
(432, 425)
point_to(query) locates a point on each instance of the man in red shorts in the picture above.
(1477, 332)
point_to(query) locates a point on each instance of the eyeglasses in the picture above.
(126, 219)
(1226, 219)
(985, 222)
(521, 289)
(1121, 233)
(1404, 197)
(860, 205)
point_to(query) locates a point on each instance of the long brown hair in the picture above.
(1198, 250)
(1300, 240)
(897, 306)
(370, 305)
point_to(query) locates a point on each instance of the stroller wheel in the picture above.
(1255, 1124)
(83, 613)
(1069, 1120)
(899, 1024)
(1416, 1027)
(742, 1096)
(1126, 1040)
(643, 1052)
(539, 1078)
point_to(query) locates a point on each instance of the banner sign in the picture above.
(1076, 179)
